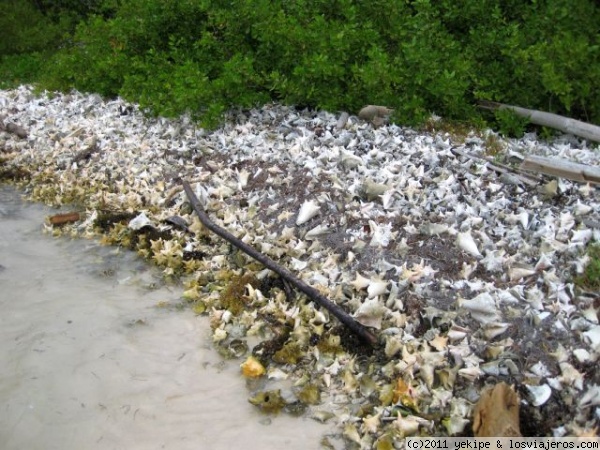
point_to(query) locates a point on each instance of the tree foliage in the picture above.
(418, 56)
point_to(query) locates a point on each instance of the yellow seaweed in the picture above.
(252, 368)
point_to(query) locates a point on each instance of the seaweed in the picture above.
(234, 298)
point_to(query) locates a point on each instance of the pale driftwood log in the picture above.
(499, 168)
(545, 119)
(497, 413)
(562, 168)
(310, 292)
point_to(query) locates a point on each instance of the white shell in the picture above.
(317, 231)
(455, 424)
(582, 209)
(482, 308)
(277, 374)
(540, 394)
(393, 344)
(376, 288)
(592, 337)
(299, 265)
(516, 273)
(570, 375)
(470, 373)
(370, 313)
(381, 234)
(544, 262)
(139, 222)
(360, 282)
(494, 329)
(243, 179)
(466, 242)
(582, 355)
(591, 397)
(457, 333)
(308, 210)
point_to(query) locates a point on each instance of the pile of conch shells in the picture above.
(466, 275)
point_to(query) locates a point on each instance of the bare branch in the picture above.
(310, 292)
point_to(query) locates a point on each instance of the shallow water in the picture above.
(88, 359)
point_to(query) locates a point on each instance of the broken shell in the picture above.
(322, 416)
(377, 288)
(268, 401)
(457, 333)
(582, 355)
(309, 394)
(482, 308)
(351, 433)
(393, 345)
(570, 375)
(409, 426)
(494, 329)
(370, 313)
(373, 191)
(382, 234)
(517, 272)
(371, 423)
(539, 394)
(139, 222)
(360, 282)
(455, 424)
(308, 210)
(592, 337)
(591, 397)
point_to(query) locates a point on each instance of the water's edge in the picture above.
(89, 359)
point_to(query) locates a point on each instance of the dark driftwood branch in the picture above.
(311, 292)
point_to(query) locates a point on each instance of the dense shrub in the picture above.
(32, 30)
(418, 56)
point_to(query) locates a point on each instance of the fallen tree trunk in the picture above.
(311, 292)
(545, 119)
(562, 168)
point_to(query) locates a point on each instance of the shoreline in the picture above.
(465, 275)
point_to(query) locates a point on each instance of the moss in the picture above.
(590, 279)
(12, 173)
(330, 344)
(386, 394)
(493, 145)
(266, 350)
(234, 297)
(309, 394)
(107, 219)
(457, 130)
(290, 353)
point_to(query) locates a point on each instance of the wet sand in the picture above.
(89, 361)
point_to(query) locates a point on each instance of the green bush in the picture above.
(20, 69)
(24, 29)
(417, 56)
